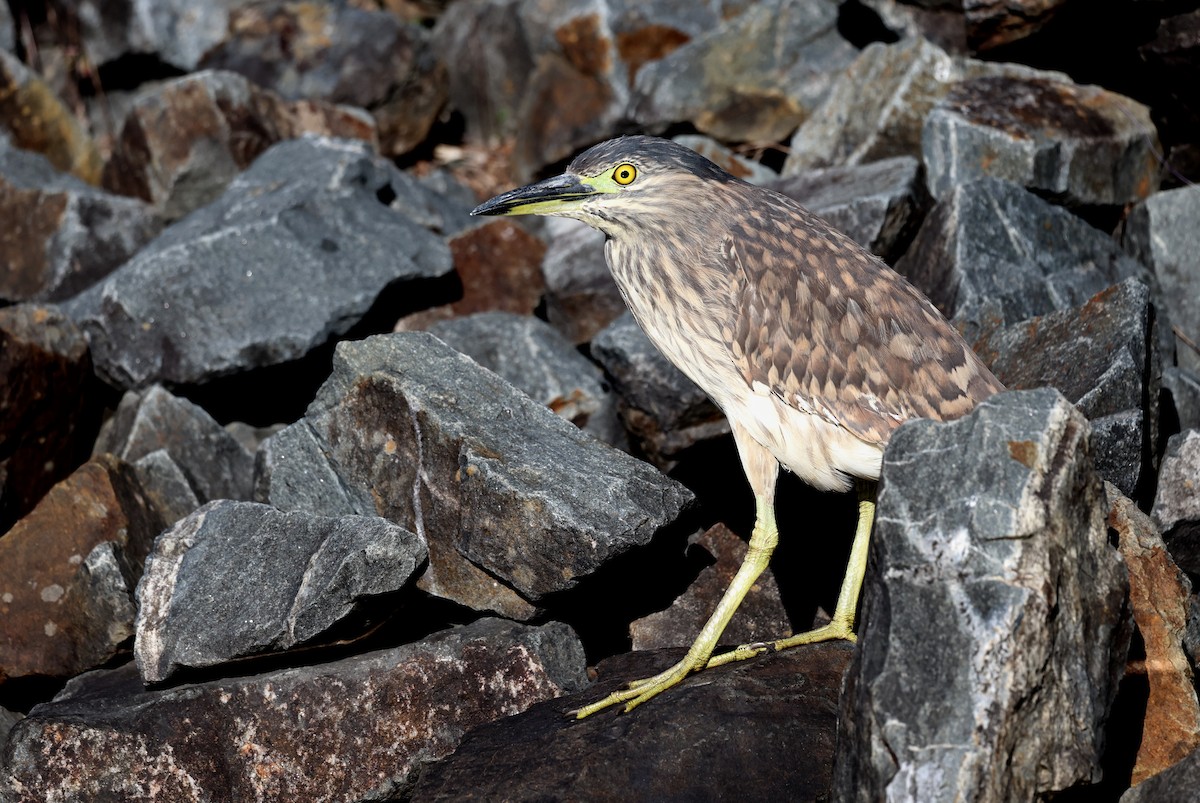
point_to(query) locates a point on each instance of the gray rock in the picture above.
(175, 32)
(294, 252)
(166, 484)
(768, 724)
(1103, 357)
(581, 296)
(238, 579)
(663, 410)
(7, 718)
(880, 205)
(1184, 390)
(991, 253)
(1176, 508)
(541, 363)
(8, 41)
(877, 107)
(994, 627)
(753, 78)
(1177, 784)
(514, 502)
(353, 729)
(1161, 232)
(1080, 144)
(215, 465)
(62, 235)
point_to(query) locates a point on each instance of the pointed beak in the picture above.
(543, 198)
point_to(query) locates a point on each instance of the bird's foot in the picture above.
(834, 631)
(639, 691)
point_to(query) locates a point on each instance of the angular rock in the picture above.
(1103, 357)
(61, 235)
(663, 410)
(877, 107)
(991, 253)
(1177, 506)
(581, 296)
(753, 78)
(68, 570)
(1158, 596)
(499, 266)
(294, 252)
(238, 579)
(353, 729)
(879, 205)
(47, 420)
(175, 32)
(185, 140)
(991, 23)
(1175, 785)
(1183, 391)
(1161, 233)
(7, 718)
(768, 724)
(214, 464)
(541, 363)
(1081, 144)
(514, 502)
(994, 626)
(339, 54)
(8, 41)
(729, 160)
(760, 617)
(166, 485)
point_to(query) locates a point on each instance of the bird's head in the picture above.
(626, 182)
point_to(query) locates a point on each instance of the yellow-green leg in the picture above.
(842, 624)
(758, 555)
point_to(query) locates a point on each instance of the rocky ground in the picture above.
(313, 487)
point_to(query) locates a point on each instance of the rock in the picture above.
(185, 140)
(991, 24)
(239, 579)
(214, 464)
(729, 160)
(1158, 596)
(581, 296)
(166, 485)
(37, 120)
(174, 32)
(767, 724)
(62, 235)
(879, 205)
(541, 363)
(67, 573)
(47, 415)
(8, 42)
(514, 502)
(499, 266)
(295, 252)
(1082, 145)
(877, 107)
(1183, 403)
(1177, 506)
(991, 253)
(7, 718)
(755, 77)
(353, 729)
(1174, 785)
(760, 617)
(993, 629)
(1159, 232)
(339, 54)
(1102, 356)
(664, 410)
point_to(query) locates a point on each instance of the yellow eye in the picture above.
(624, 174)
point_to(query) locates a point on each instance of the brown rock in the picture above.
(500, 267)
(991, 23)
(184, 141)
(68, 570)
(760, 617)
(1158, 594)
(39, 121)
(46, 424)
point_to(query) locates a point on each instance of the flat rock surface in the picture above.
(768, 724)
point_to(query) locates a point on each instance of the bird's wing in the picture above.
(834, 332)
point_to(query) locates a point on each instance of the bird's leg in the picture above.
(842, 624)
(758, 555)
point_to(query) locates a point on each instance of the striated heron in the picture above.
(814, 349)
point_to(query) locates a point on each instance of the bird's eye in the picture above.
(624, 174)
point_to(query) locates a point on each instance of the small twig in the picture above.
(1187, 341)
